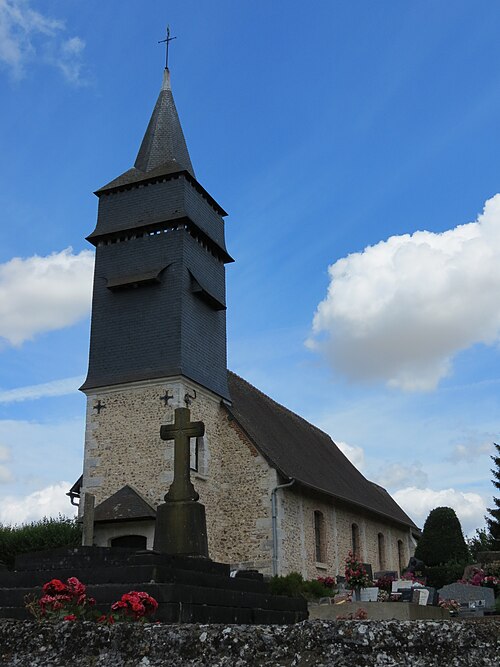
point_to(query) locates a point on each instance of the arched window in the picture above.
(319, 537)
(138, 542)
(356, 547)
(401, 556)
(381, 551)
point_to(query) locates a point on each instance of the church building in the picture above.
(279, 494)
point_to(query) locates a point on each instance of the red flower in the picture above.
(76, 587)
(54, 586)
(69, 617)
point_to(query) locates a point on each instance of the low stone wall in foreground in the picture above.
(311, 643)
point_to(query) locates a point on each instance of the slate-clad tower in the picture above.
(159, 285)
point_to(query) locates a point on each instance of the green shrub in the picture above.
(293, 585)
(440, 575)
(37, 536)
(442, 539)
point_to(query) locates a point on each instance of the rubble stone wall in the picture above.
(312, 643)
(298, 536)
(123, 446)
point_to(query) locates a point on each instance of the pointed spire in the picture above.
(164, 140)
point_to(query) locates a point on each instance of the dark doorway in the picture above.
(130, 541)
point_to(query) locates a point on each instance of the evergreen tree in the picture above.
(442, 539)
(493, 520)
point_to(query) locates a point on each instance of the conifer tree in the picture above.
(493, 520)
(442, 539)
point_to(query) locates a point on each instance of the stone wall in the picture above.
(235, 483)
(123, 446)
(297, 536)
(309, 644)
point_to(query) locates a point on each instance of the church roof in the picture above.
(127, 504)
(164, 140)
(301, 451)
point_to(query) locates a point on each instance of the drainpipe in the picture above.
(274, 514)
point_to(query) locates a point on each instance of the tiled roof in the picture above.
(303, 452)
(125, 504)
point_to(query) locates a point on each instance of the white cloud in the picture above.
(470, 507)
(5, 472)
(40, 294)
(355, 454)
(469, 450)
(26, 34)
(53, 388)
(47, 502)
(395, 475)
(401, 309)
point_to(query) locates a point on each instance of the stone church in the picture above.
(279, 494)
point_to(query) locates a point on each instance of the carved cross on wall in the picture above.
(166, 398)
(180, 432)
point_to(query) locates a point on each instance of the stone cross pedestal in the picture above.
(181, 527)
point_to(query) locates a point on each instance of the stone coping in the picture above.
(310, 643)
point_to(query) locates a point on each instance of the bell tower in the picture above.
(158, 307)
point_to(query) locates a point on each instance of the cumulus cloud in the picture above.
(355, 454)
(417, 503)
(47, 502)
(32, 392)
(39, 294)
(26, 34)
(5, 472)
(470, 450)
(394, 475)
(401, 309)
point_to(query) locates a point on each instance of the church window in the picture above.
(381, 551)
(355, 539)
(401, 556)
(194, 454)
(198, 455)
(319, 537)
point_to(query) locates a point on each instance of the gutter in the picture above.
(274, 515)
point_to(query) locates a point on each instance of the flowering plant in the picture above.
(410, 576)
(481, 578)
(451, 605)
(355, 574)
(134, 606)
(327, 582)
(69, 602)
(62, 601)
(384, 583)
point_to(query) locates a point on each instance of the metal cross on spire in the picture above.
(166, 41)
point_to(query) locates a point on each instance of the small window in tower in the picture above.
(194, 454)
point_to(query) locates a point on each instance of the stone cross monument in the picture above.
(181, 527)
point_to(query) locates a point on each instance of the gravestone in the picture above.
(391, 574)
(474, 600)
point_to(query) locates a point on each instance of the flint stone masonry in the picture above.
(312, 643)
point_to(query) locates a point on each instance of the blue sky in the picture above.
(355, 135)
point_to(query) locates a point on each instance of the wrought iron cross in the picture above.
(99, 406)
(180, 432)
(166, 41)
